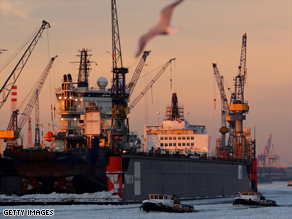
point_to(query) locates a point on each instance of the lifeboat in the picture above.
(48, 136)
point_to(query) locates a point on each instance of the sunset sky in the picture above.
(211, 32)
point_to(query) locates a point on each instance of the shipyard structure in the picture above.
(95, 151)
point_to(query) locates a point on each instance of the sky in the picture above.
(211, 33)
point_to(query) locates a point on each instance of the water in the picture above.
(207, 208)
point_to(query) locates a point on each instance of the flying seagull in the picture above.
(3, 50)
(163, 26)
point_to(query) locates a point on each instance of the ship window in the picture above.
(192, 138)
(165, 197)
(192, 144)
(174, 144)
(152, 197)
(161, 138)
(188, 144)
(170, 144)
(179, 138)
(183, 137)
(188, 138)
(160, 196)
(183, 144)
(161, 144)
(165, 138)
(174, 138)
(156, 196)
(170, 138)
(179, 144)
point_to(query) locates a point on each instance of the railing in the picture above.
(182, 156)
(71, 109)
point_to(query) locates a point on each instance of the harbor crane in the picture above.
(261, 158)
(133, 104)
(137, 73)
(13, 125)
(268, 156)
(9, 83)
(238, 107)
(224, 105)
(120, 122)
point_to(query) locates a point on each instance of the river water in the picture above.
(206, 208)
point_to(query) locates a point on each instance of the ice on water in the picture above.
(206, 208)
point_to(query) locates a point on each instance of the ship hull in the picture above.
(151, 206)
(240, 201)
(78, 171)
(188, 178)
(143, 174)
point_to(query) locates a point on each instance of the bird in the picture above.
(163, 27)
(3, 50)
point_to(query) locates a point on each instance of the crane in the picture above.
(224, 104)
(9, 83)
(238, 107)
(262, 157)
(120, 123)
(13, 125)
(34, 97)
(137, 72)
(133, 104)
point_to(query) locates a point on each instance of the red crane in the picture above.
(264, 153)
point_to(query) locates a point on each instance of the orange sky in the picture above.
(211, 32)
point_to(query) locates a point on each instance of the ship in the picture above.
(74, 162)
(175, 135)
(253, 198)
(166, 203)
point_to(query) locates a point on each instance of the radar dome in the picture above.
(102, 83)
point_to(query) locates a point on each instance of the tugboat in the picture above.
(290, 183)
(252, 198)
(167, 203)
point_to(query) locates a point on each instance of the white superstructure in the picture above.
(175, 134)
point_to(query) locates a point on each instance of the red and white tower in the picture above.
(13, 98)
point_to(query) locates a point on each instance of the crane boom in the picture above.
(119, 72)
(6, 88)
(137, 72)
(34, 97)
(225, 105)
(133, 104)
(240, 78)
(269, 144)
